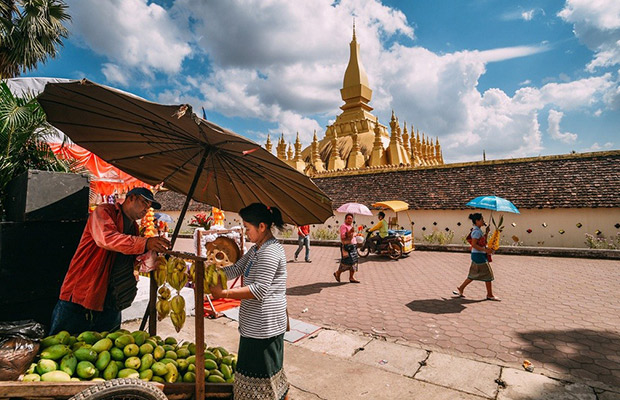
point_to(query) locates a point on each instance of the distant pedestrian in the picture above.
(303, 238)
(480, 269)
(348, 250)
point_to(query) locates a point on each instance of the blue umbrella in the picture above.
(163, 217)
(493, 203)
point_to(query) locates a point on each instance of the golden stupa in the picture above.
(356, 140)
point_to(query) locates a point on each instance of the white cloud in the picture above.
(114, 74)
(597, 147)
(131, 33)
(525, 15)
(553, 128)
(508, 53)
(525, 82)
(597, 25)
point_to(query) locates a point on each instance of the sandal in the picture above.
(493, 298)
(354, 281)
(337, 277)
(457, 293)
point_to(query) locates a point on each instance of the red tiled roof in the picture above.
(586, 180)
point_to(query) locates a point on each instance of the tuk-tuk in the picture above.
(393, 224)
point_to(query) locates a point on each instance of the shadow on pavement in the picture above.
(585, 353)
(440, 306)
(312, 288)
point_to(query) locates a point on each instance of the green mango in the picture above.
(173, 374)
(226, 371)
(124, 331)
(31, 378)
(192, 348)
(119, 364)
(68, 364)
(169, 361)
(151, 341)
(128, 373)
(139, 337)
(222, 351)
(133, 363)
(170, 340)
(72, 341)
(114, 335)
(105, 334)
(111, 371)
(131, 350)
(44, 366)
(124, 340)
(117, 354)
(86, 354)
(158, 379)
(191, 368)
(75, 379)
(215, 379)
(210, 364)
(159, 368)
(146, 375)
(31, 369)
(146, 348)
(183, 352)
(207, 373)
(55, 376)
(55, 352)
(103, 359)
(218, 354)
(159, 353)
(189, 377)
(191, 359)
(231, 379)
(171, 354)
(182, 364)
(78, 345)
(216, 372)
(49, 341)
(63, 337)
(169, 347)
(85, 370)
(90, 337)
(146, 362)
(97, 380)
(104, 344)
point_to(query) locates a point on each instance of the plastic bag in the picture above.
(19, 344)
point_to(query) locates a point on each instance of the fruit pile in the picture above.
(94, 356)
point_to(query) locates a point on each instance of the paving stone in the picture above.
(522, 385)
(334, 343)
(459, 373)
(393, 357)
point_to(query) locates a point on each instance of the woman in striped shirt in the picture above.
(262, 315)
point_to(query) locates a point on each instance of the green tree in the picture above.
(23, 139)
(30, 32)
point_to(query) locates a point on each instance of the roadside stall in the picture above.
(394, 224)
(171, 145)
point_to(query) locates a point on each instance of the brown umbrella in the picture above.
(157, 143)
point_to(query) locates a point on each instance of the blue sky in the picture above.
(515, 79)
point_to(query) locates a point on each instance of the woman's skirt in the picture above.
(480, 272)
(260, 373)
(349, 262)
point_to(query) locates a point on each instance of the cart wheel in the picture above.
(395, 251)
(119, 389)
(363, 251)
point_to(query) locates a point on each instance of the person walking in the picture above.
(348, 250)
(100, 281)
(303, 238)
(262, 316)
(480, 269)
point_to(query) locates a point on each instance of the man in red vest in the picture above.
(303, 237)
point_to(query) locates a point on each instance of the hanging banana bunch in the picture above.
(163, 307)
(178, 319)
(178, 312)
(160, 270)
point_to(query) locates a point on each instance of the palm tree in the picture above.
(23, 134)
(30, 32)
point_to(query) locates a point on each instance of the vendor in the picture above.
(381, 227)
(100, 280)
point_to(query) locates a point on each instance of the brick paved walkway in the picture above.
(562, 314)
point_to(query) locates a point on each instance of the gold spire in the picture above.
(281, 148)
(297, 148)
(335, 162)
(268, 145)
(356, 158)
(355, 90)
(406, 140)
(377, 156)
(317, 163)
(289, 153)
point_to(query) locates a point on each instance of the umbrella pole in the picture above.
(177, 228)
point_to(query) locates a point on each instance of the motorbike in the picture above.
(391, 245)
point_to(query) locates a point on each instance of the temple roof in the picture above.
(568, 181)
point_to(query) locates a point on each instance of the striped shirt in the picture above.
(264, 272)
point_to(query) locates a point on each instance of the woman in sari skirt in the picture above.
(262, 315)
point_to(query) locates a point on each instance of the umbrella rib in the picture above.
(112, 115)
(158, 153)
(138, 103)
(180, 167)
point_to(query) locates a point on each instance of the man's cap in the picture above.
(146, 194)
